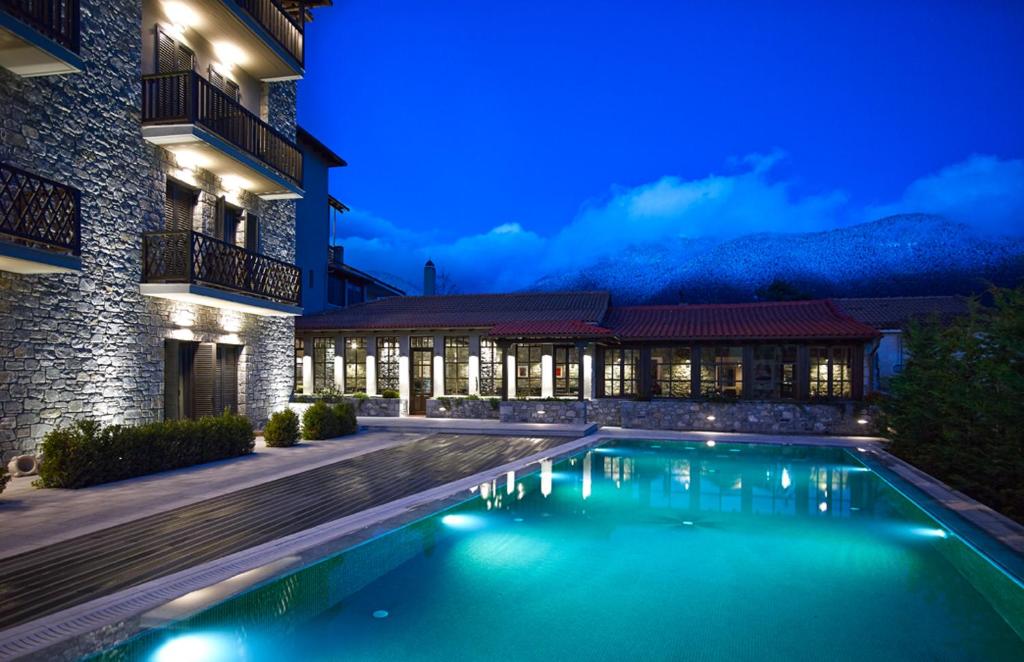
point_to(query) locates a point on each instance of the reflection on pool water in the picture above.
(637, 549)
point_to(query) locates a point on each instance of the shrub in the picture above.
(360, 395)
(346, 417)
(87, 453)
(282, 429)
(319, 422)
(495, 403)
(389, 393)
(3, 477)
(473, 396)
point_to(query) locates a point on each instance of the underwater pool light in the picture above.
(462, 521)
(710, 443)
(195, 647)
(380, 613)
(931, 533)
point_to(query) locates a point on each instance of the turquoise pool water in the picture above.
(638, 549)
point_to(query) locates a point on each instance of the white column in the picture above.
(339, 363)
(404, 387)
(474, 365)
(438, 366)
(307, 366)
(510, 371)
(547, 371)
(588, 372)
(371, 366)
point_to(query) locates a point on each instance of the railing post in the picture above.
(190, 245)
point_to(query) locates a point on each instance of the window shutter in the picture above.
(218, 218)
(252, 232)
(171, 55)
(172, 377)
(179, 205)
(226, 396)
(223, 83)
(203, 386)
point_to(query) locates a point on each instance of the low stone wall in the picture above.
(740, 416)
(544, 411)
(373, 407)
(462, 408)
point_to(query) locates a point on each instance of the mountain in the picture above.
(908, 254)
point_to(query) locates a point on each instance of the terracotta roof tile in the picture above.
(549, 329)
(897, 312)
(742, 321)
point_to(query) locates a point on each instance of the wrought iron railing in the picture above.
(55, 19)
(285, 30)
(185, 97)
(39, 212)
(192, 257)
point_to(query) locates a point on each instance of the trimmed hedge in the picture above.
(323, 421)
(282, 429)
(87, 453)
(390, 393)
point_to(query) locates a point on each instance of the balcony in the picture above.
(269, 40)
(197, 268)
(39, 37)
(40, 223)
(186, 114)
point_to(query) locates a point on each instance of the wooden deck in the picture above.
(44, 581)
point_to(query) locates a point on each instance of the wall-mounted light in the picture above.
(190, 160)
(862, 421)
(235, 183)
(228, 55)
(181, 16)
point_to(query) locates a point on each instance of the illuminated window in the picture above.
(300, 351)
(831, 372)
(492, 367)
(567, 372)
(721, 371)
(323, 363)
(387, 363)
(774, 372)
(456, 365)
(671, 372)
(621, 369)
(528, 371)
(355, 365)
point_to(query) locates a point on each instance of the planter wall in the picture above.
(544, 411)
(461, 408)
(373, 407)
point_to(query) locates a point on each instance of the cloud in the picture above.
(983, 191)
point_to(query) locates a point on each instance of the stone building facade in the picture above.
(86, 342)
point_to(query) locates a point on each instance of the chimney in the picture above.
(429, 279)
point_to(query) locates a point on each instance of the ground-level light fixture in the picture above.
(862, 421)
(711, 417)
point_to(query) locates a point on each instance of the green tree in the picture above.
(957, 411)
(781, 290)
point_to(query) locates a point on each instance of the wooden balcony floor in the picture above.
(47, 580)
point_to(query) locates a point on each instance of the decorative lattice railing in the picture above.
(39, 212)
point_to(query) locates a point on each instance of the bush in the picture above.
(389, 393)
(346, 417)
(360, 396)
(282, 429)
(956, 412)
(3, 477)
(87, 453)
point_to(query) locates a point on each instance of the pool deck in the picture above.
(89, 567)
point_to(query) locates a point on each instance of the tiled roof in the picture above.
(896, 312)
(742, 321)
(462, 311)
(549, 329)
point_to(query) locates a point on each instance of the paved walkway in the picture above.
(32, 518)
(41, 582)
(475, 426)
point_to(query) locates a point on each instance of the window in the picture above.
(671, 372)
(224, 84)
(387, 363)
(355, 365)
(200, 379)
(172, 56)
(421, 342)
(323, 364)
(300, 351)
(227, 220)
(774, 372)
(567, 372)
(831, 372)
(528, 371)
(179, 206)
(721, 371)
(253, 240)
(492, 367)
(456, 365)
(620, 372)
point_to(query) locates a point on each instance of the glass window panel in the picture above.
(456, 365)
(528, 371)
(492, 367)
(323, 364)
(721, 371)
(670, 372)
(355, 365)
(387, 363)
(567, 372)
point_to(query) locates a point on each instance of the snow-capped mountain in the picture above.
(897, 255)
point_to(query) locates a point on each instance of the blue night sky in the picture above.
(526, 132)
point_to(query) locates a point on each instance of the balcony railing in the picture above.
(55, 19)
(39, 212)
(186, 98)
(285, 30)
(191, 257)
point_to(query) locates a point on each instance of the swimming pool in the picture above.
(660, 550)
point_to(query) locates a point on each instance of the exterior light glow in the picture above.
(540, 412)
(462, 521)
(711, 417)
(931, 533)
(823, 507)
(785, 481)
(710, 443)
(180, 15)
(862, 421)
(229, 54)
(235, 183)
(194, 647)
(190, 160)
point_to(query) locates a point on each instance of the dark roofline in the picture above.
(325, 152)
(362, 274)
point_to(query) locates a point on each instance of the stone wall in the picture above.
(454, 407)
(372, 406)
(88, 344)
(742, 416)
(544, 411)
